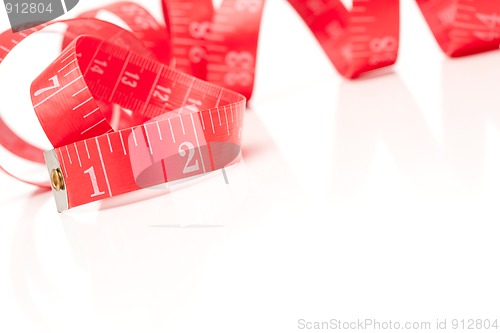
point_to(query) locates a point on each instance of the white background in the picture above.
(376, 198)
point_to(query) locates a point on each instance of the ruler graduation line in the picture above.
(103, 166)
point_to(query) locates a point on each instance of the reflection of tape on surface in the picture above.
(25, 14)
(158, 157)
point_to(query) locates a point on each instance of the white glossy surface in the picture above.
(376, 198)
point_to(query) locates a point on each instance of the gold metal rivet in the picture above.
(57, 180)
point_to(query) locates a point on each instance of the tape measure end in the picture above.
(57, 180)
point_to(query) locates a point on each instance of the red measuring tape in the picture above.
(182, 87)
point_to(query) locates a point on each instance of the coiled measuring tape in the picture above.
(130, 110)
